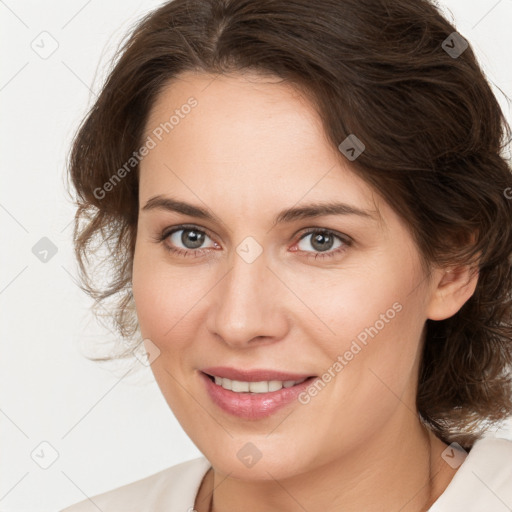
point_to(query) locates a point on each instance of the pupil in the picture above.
(192, 239)
(322, 242)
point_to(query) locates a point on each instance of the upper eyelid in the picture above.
(182, 227)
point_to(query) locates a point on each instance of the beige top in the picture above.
(482, 483)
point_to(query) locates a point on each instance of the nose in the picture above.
(249, 305)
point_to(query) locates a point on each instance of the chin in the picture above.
(249, 459)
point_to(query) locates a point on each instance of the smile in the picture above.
(253, 399)
(239, 386)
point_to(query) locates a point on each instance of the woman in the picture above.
(308, 208)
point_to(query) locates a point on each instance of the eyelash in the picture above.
(194, 253)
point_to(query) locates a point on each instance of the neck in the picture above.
(405, 472)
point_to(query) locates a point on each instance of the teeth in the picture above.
(236, 385)
(255, 387)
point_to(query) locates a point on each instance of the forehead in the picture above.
(241, 105)
(250, 136)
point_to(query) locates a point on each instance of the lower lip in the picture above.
(252, 406)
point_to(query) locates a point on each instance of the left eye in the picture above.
(321, 241)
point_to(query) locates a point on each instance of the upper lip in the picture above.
(257, 375)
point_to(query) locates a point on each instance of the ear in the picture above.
(452, 288)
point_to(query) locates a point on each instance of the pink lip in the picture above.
(252, 375)
(253, 406)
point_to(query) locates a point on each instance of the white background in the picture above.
(107, 430)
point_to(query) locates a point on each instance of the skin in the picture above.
(251, 147)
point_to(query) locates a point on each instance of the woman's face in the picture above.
(346, 304)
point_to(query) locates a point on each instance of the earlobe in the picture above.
(454, 288)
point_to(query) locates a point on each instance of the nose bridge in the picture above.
(247, 300)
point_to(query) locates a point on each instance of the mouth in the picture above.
(257, 395)
(255, 387)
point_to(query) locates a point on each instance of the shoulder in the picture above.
(173, 489)
(482, 482)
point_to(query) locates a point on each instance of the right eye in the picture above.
(190, 237)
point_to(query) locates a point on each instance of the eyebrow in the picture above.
(288, 215)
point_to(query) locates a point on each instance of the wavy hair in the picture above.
(391, 72)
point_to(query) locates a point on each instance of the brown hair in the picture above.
(434, 136)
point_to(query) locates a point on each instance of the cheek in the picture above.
(354, 307)
(163, 302)
(379, 359)
(375, 325)
(164, 296)
(147, 291)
